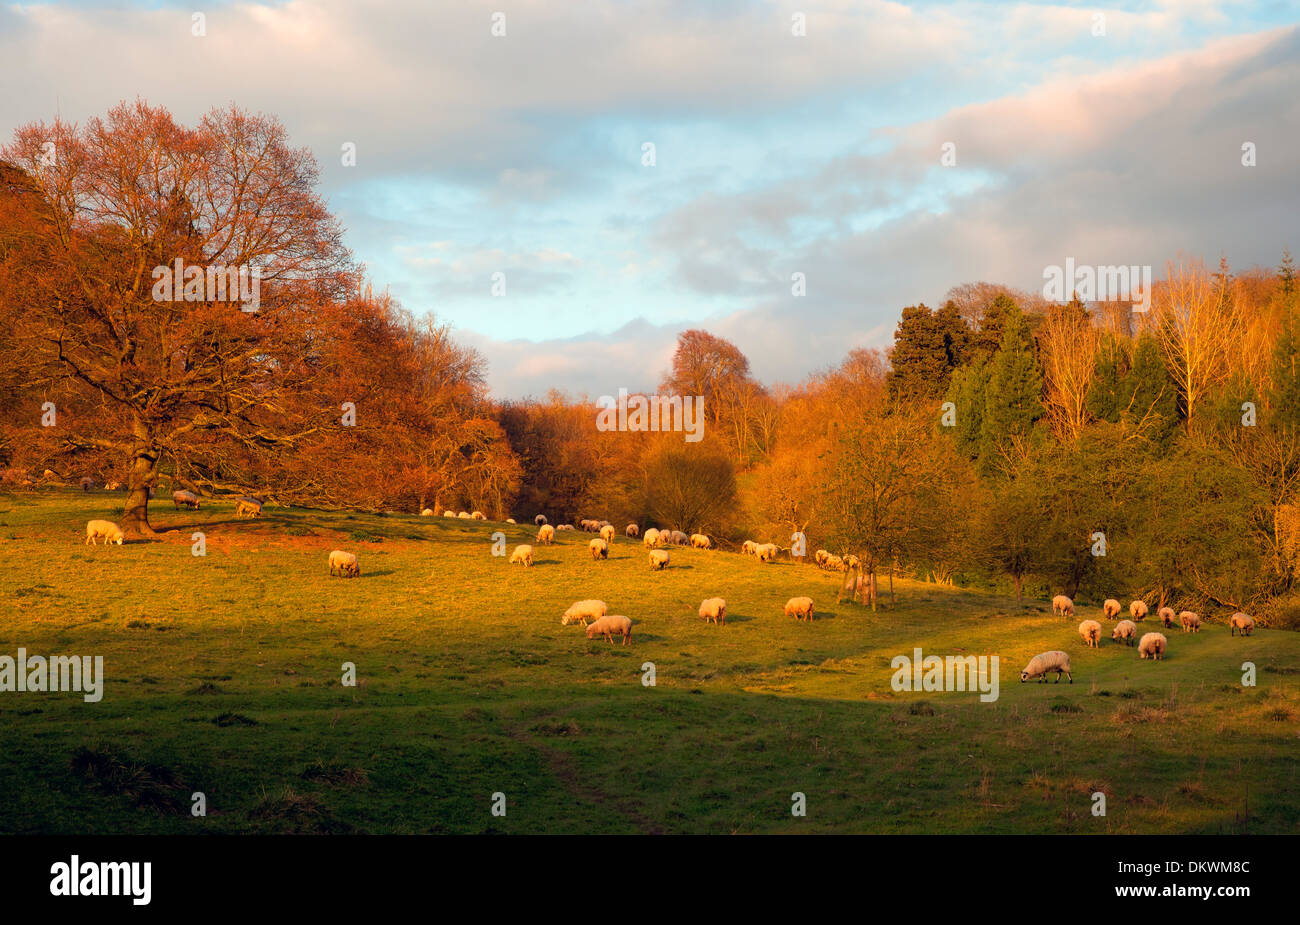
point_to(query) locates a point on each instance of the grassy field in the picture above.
(224, 676)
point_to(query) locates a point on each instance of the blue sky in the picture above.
(775, 153)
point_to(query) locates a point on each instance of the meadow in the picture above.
(224, 676)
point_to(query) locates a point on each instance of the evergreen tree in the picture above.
(1013, 399)
(966, 391)
(919, 361)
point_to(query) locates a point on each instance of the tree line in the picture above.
(1002, 439)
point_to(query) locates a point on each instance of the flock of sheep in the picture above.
(592, 614)
(1151, 645)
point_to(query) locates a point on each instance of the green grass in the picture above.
(224, 676)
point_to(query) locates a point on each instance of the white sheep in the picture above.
(1240, 621)
(700, 541)
(1041, 664)
(564, 527)
(464, 515)
(1167, 617)
(582, 611)
(427, 512)
(478, 515)
(1152, 646)
(678, 538)
(449, 514)
(609, 627)
(510, 520)
(851, 561)
(632, 530)
(1111, 608)
(185, 499)
(523, 554)
(651, 537)
(820, 557)
(105, 529)
(834, 564)
(1190, 622)
(767, 552)
(1062, 606)
(801, 608)
(249, 507)
(1138, 610)
(546, 534)
(599, 549)
(1125, 631)
(658, 559)
(714, 610)
(607, 534)
(344, 564)
(539, 520)
(1090, 630)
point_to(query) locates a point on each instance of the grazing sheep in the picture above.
(1190, 622)
(1111, 608)
(185, 499)
(109, 531)
(510, 520)
(1062, 606)
(1240, 621)
(478, 515)
(852, 562)
(539, 520)
(248, 507)
(658, 559)
(427, 512)
(633, 531)
(700, 541)
(607, 534)
(651, 537)
(820, 557)
(834, 564)
(1152, 646)
(464, 515)
(546, 534)
(86, 483)
(345, 564)
(564, 527)
(599, 549)
(749, 548)
(1138, 610)
(801, 608)
(1090, 630)
(1041, 664)
(609, 627)
(1125, 631)
(523, 554)
(767, 552)
(714, 609)
(589, 526)
(1167, 617)
(679, 538)
(582, 611)
(448, 513)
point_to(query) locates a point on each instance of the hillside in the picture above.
(223, 676)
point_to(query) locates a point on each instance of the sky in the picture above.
(503, 183)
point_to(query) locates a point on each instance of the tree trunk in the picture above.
(1019, 580)
(143, 475)
(871, 589)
